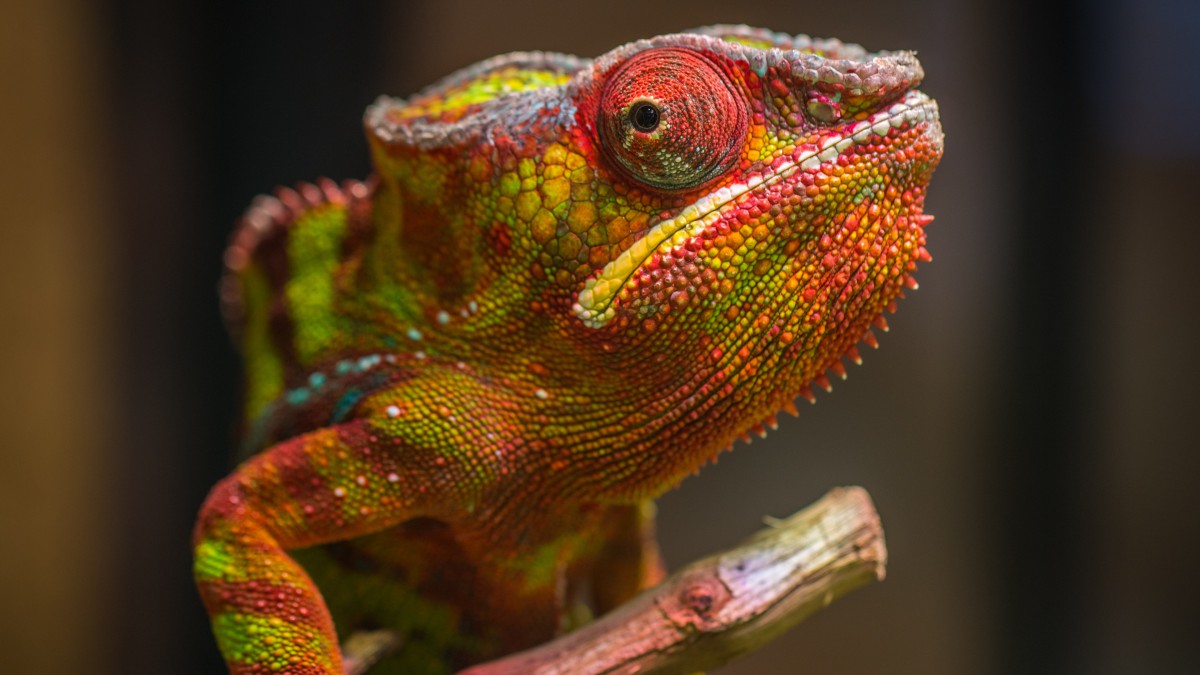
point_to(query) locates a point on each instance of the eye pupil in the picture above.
(644, 116)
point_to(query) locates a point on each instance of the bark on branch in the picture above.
(729, 604)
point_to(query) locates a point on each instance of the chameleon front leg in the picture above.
(630, 561)
(328, 485)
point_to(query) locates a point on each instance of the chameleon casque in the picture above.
(568, 285)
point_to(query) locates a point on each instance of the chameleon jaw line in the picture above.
(595, 304)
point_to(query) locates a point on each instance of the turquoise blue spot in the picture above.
(316, 380)
(298, 396)
(344, 405)
(343, 367)
(414, 334)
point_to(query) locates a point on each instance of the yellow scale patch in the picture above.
(268, 641)
(216, 562)
(314, 250)
(453, 103)
(754, 43)
(264, 369)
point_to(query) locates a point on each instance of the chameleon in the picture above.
(568, 284)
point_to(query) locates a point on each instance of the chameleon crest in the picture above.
(568, 284)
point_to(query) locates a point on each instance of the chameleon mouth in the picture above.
(596, 303)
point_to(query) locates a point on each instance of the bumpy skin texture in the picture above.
(569, 284)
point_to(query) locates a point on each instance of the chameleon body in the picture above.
(568, 285)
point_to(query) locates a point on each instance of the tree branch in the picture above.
(364, 648)
(713, 610)
(726, 605)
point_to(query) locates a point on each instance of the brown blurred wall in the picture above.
(57, 254)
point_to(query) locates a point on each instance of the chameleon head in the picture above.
(801, 166)
(745, 195)
(797, 171)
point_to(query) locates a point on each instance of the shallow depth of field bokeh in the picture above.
(1026, 428)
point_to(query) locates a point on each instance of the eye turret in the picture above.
(670, 119)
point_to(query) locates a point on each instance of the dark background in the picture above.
(1027, 429)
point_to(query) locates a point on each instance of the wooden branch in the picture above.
(713, 610)
(726, 605)
(364, 648)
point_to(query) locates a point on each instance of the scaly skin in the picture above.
(569, 284)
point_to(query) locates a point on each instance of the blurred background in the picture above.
(1027, 429)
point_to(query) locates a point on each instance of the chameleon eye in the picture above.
(670, 119)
